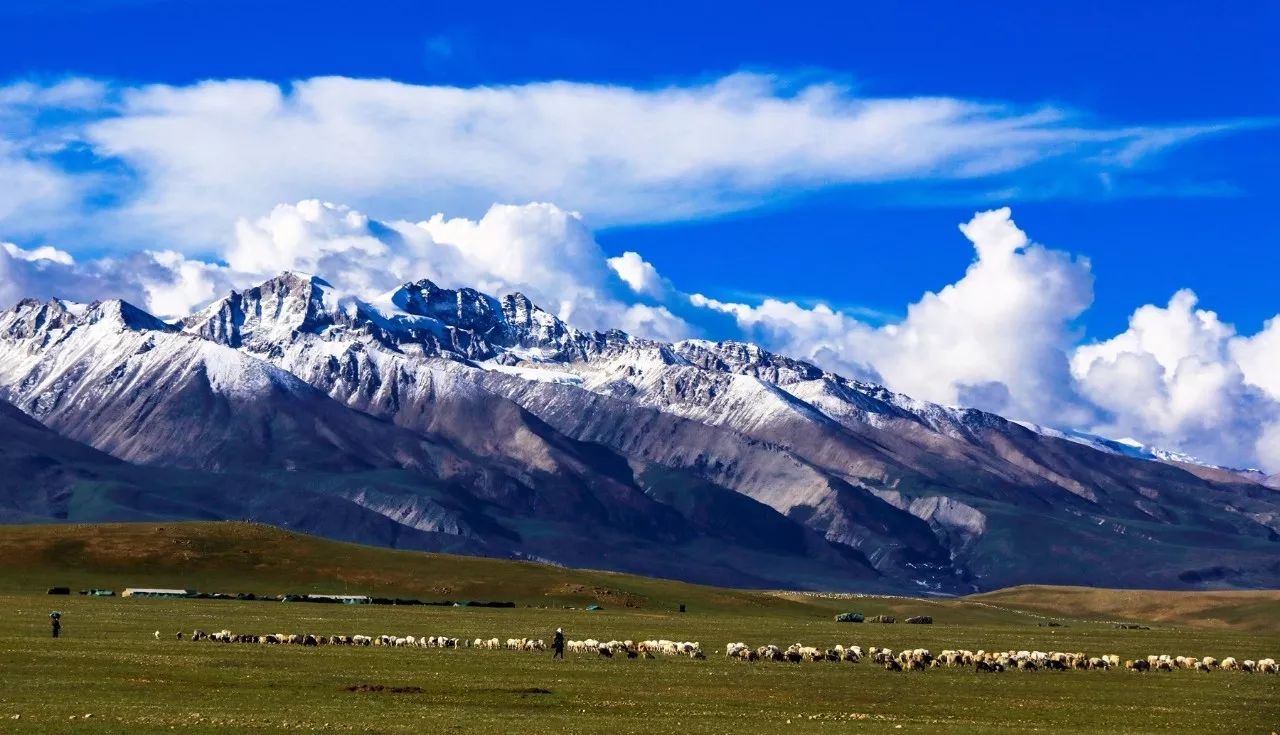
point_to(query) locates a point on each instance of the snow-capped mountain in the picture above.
(488, 424)
(1128, 447)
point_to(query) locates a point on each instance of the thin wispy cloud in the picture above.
(191, 159)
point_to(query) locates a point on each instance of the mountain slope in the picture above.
(475, 473)
(512, 429)
(912, 485)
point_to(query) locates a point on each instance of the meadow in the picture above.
(108, 664)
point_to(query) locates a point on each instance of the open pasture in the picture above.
(109, 665)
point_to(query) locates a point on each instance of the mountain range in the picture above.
(443, 419)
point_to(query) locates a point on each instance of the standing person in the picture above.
(55, 620)
(557, 645)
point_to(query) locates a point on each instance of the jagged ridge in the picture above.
(527, 419)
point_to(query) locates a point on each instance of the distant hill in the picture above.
(1254, 610)
(247, 557)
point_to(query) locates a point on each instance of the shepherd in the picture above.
(55, 621)
(557, 645)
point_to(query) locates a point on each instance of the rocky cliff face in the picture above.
(518, 423)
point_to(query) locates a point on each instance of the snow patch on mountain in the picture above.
(538, 374)
(1128, 447)
(235, 374)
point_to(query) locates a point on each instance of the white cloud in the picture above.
(995, 339)
(539, 249)
(1259, 359)
(44, 252)
(640, 275)
(34, 192)
(1267, 448)
(1001, 338)
(187, 161)
(166, 283)
(1176, 377)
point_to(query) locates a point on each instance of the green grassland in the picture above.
(108, 664)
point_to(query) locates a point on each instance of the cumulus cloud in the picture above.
(184, 162)
(539, 249)
(1177, 376)
(544, 251)
(1259, 358)
(640, 275)
(1002, 338)
(166, 282)
(996, 339)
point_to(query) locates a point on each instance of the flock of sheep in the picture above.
(919, 659)
(606, 649)
(912, 659)
(637, 649)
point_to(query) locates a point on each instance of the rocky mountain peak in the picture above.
(122, 314)
(271, 311)
(32, 317)
(747, 358)
(464, 308)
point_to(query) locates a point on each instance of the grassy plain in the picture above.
(108, 664)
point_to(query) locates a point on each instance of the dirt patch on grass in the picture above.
(601, 594)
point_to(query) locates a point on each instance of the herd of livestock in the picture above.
(607, 649)
(919, 659)
(912, 659)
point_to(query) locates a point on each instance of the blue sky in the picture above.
(1126, 63)
(832, 150)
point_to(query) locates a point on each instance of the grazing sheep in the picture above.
(985, 666)
(770, 653)
(908, 659)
